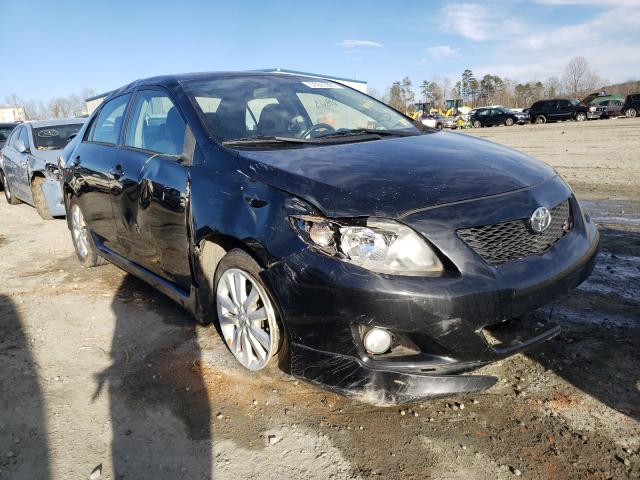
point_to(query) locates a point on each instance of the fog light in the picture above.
(377, 341)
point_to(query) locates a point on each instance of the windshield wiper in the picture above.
(263, 139)
(272, 140)
(366, 131)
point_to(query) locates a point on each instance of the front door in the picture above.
(149, 189)
(564, 111)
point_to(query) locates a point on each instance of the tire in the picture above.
(11, 200)
(508, 122)
(249, 324)
(438, 126)
(476, 124)
(38, 198)
(541, 119)
(82, 238)
(631, 113)
(581, 117)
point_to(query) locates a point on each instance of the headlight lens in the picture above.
(381, 246)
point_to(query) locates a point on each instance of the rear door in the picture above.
(91, 164)
(149, 190)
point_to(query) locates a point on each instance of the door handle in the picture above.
(116, 172)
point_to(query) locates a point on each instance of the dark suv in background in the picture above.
(631, 105)
(545, 111)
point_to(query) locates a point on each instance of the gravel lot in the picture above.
(102, 377)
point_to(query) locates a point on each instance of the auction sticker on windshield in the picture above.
(321, 85)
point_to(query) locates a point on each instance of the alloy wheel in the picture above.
(79, 231)
(581, 117)
(631, 113)
(247, 318)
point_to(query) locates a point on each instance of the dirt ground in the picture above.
(102, 377)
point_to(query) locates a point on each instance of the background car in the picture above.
(5, 131)
(433, 120)
(606, 109)
(489, 117)
(29, 162)
(557, 109)
(631, 105)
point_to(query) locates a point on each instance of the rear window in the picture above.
(54, 137)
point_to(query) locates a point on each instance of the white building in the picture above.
(361, 85)
(12, 114)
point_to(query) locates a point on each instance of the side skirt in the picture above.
(186, 300)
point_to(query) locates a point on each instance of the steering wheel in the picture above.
(318, 127)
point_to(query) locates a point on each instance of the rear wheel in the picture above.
(581, 116)
(477, 124)
(508, 122)
(541, 119)
(38, 198)
(11, 200)
(82, 239)
(631, 113)
(439, 126)
(246, 313)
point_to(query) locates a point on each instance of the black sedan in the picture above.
(490, 117)
(319, 229)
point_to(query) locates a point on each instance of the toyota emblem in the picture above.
(540, 219)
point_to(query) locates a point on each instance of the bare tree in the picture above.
(552, 87)
(575, 74)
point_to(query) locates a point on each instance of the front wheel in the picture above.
(508, 122)
(631, 113)
(477, 124)
(581, 117)
(39, 200)
(82, 240)
(246, 314)
(439, 126)
(8, 194)
(541, 119)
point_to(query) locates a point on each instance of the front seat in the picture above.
(173, 137)
(274, 120)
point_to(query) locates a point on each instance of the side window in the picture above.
(15, 135)
(563, 103)
(24, 136)
(484, 113)
(155, 124)
(106, 128)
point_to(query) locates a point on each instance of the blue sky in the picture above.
(57, 48)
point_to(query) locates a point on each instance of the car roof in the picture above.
(171, 80)
(54, 121)
(8, 124)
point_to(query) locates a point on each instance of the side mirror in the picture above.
(20, 146)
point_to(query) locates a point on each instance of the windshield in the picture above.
(235, 108)
(4, 133)
(54, 137)
(574, 102)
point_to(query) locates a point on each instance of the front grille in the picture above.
(502, 242)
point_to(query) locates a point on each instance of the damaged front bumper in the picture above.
(451, 324)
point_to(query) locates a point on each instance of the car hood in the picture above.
(389, 177)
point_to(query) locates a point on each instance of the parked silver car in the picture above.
(29, 164)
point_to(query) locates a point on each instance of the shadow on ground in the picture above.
(160, 413)
(598, 350)
(23, 430)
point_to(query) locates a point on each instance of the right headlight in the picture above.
(382, 246)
